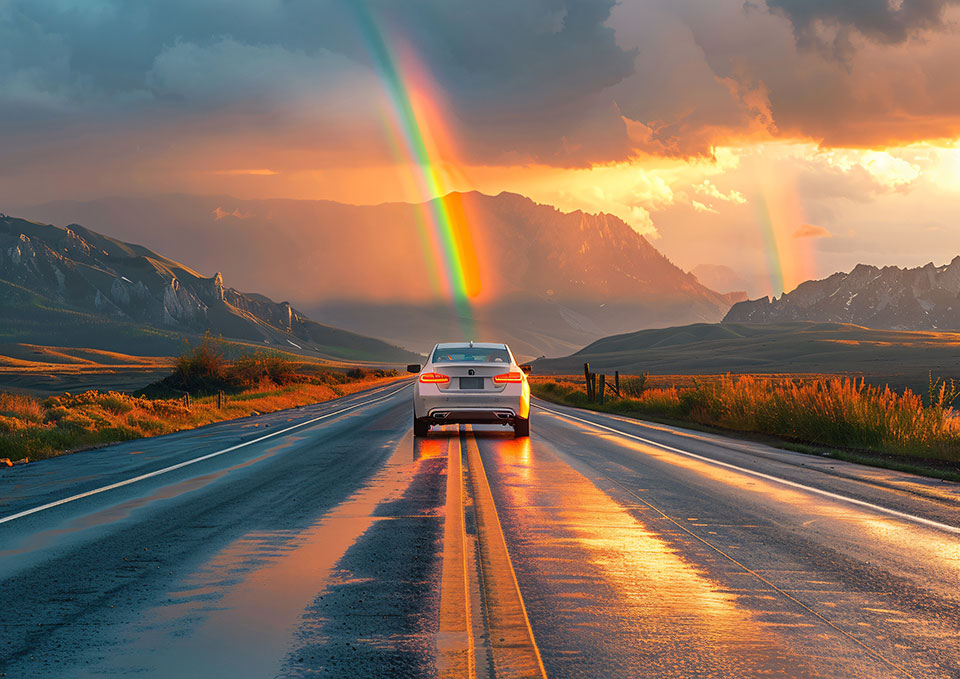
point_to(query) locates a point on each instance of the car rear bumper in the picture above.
(471, 416)
(472, 408)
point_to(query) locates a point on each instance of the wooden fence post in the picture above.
(616, 382)
(186, 400)
(586, 380)
(219, 400)
(603, 388)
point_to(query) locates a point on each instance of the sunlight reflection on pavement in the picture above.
(236, 615)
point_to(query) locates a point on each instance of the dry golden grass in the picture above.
(20, 407)
(687, 381)
(37, 429)
(22, 359)
(822, 410)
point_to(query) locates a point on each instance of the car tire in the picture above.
(521, 428)
(420, 428)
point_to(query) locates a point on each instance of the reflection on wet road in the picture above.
(611, 595)
(235, 616)
(718, 573)
(347, 548)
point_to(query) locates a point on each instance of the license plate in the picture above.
(471, 383)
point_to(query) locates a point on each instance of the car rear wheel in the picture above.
(521, 428)
(420, 428)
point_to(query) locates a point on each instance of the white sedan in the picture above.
(472, 383)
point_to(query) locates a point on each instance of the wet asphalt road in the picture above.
(317, 549)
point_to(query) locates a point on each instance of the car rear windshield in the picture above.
(470, 355)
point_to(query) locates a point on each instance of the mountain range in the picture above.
(925, 298)
(76, 287)
(549, 281)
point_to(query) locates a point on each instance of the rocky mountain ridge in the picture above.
(924, 298)
(84, 271)
(578, 255)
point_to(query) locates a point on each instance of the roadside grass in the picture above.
(826, 412)
(36, 428)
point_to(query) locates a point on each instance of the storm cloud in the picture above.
(502, 65)
(890, 21)
(568, 83)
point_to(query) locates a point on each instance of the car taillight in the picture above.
(507, 378)
(434, 378)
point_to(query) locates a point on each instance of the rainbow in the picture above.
(790, 257)
(443, 226)
(770, 247)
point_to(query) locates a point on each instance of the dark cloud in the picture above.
(881, 94)
(513, 52)
(827, 23)
(522, 56)
(516, 72)
(523, 77)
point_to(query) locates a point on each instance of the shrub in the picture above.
(202, 370)
(699, 403)
(56, 413)
(633, 387)
(21, 407)
(205, 360)
(116, 403)
(939, 395)
(10, 424)
(335, 378)
(356, 373)
(253, 369)
(76, 421)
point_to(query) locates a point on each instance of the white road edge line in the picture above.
(769, 477)
(187, 463)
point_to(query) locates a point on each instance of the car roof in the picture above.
(476, 345)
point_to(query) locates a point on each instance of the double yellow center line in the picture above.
(513, 648)
(455, 648)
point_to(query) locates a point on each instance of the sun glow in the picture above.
(778, 212)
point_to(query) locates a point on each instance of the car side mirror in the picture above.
(527, 368)
(413, 368)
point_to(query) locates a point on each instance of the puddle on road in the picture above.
(237, 615)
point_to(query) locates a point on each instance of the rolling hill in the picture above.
(74, 287)
(901, 358)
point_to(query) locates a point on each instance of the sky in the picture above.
(784, 139)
